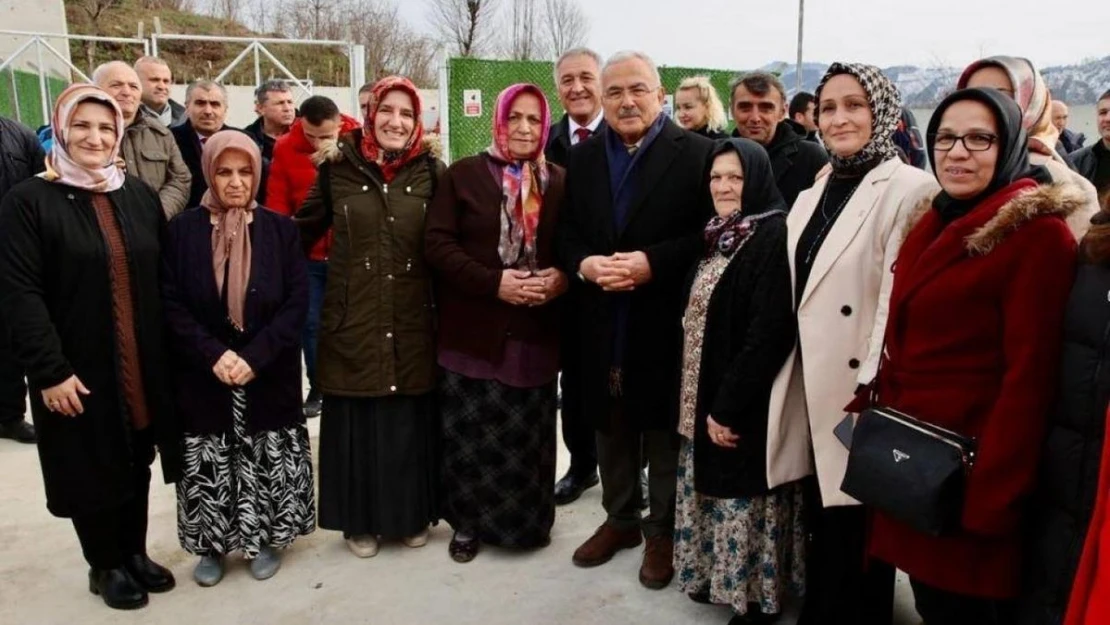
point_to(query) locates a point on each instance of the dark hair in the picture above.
(1104, 96)
(800, 102)
(757, 83)
(263, 91)
(367, 88)
(318, 109)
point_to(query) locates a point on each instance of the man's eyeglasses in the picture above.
(973, 142)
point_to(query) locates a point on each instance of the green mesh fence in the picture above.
(473, 85)
(20, 97)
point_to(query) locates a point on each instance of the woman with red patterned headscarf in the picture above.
(490, 241)
(376, 359)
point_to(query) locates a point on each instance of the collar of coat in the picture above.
(1059, 198)
(330, 150)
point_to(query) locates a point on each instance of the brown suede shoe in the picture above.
(604, 544)
(658, 567)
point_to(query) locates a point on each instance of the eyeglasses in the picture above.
(638, 92)
(973, 142)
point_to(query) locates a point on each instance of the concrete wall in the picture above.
(241, 102)
(39, 16)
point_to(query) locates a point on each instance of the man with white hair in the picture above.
(637, 201)
(156, 77)
(148, 149)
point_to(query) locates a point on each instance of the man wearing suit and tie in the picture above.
(578, 79)
(637, 200)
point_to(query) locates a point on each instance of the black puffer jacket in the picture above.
(21, 156)
(1073, 446)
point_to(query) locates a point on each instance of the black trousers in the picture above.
(110, 535)
(940, 607)
(579, 432)
(843, 584)
(621, 453)
(13, 388)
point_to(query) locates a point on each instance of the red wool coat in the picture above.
(293, 172)
(973, 336)
(1090, 593)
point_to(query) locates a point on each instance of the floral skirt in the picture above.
(243, 491)
(738, 551)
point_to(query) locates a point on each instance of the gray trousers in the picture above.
(621, 453)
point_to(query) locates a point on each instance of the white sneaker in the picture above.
(363, 546)
(419, 540)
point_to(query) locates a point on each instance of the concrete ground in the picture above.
(43, 577)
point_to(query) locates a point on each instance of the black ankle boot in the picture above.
(117, 588)
(150, 575)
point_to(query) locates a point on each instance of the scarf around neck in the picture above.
(523, 180)
(391, 161)
(60, 167)
(886, 111)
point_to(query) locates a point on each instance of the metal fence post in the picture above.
(257, 66)
(444, 104)
(43, 92)
(357, 63)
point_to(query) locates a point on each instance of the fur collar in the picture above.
(330, 151)
(1060, 198)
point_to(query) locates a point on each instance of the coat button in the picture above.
(389, 277)
(388, 335)
(392, 219)
(393, 389)
(365, 188)
(408, 189)
(853, 363)
(846, 310)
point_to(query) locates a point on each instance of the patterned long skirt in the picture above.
(245, 491)
(739, 551)
(498, 460)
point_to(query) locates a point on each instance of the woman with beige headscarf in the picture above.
(236, 296)
(1018, 78)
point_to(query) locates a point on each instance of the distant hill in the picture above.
(925, 87)
(193, 59)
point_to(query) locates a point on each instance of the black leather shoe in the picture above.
(117, 588)
(313, 405)
(572, 486)
(19, 431)
(150, 575)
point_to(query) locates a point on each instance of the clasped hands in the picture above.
(623, 271)
(523, 288)
(233, 370)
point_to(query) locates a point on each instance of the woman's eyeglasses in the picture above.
(973, 142)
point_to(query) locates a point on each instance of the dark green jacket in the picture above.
(376, 336)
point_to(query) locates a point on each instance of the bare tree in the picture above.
(95, 9)
(524, 30)
(566, 26)
(463, 24)
(227, 9)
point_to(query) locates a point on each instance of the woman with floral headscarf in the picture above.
(376, 354)
(843, 237)
(490, 243)
(236, 295)
(1018, 78)
(79, 249)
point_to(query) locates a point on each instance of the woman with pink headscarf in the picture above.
(489, 241)
(79, 247)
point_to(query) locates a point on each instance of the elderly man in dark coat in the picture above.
(636, 203)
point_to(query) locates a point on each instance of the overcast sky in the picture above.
(741, 34)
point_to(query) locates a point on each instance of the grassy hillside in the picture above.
(191, 60)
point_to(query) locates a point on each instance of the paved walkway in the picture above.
(43, 577)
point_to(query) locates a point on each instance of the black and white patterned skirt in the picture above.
(498, 460)
(242, 492)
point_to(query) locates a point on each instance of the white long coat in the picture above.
(841, 320)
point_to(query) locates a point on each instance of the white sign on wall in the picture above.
(472, 102)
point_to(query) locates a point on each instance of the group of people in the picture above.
(715, 309)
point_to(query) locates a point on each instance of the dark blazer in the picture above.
(21, 154)
(56, 296)
(558, 141)
(463, 230)
(665, 221)
(749, 331)
(275, 310)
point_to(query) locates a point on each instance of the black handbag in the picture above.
(911, 470)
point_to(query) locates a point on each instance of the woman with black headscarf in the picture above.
(972, 345)
(843, 237)
(739, 328)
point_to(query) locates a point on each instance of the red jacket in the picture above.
(292, 174)
(1090, 592)
(973, 341)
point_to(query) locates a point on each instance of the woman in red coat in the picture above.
(972, 345)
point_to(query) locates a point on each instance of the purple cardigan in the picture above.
(275, 310)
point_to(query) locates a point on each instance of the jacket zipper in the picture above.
(966, 455)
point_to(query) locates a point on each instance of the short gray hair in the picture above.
(153, 60)
(104, 68)
(629, 55)
(261, 93)
(207, 85)
(758, 83)
(570, 54)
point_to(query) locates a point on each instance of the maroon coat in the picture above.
(973, 336)
(463, 228)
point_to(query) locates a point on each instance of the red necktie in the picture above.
(582, 134)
